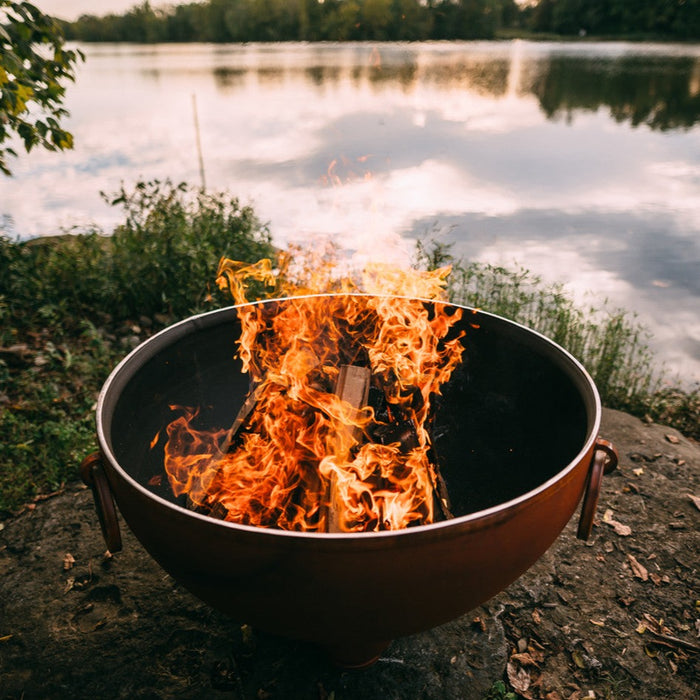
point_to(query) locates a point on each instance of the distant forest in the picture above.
(390, 20)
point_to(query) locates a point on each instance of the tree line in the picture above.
(388, 20)
(670, 19)
(300, 20)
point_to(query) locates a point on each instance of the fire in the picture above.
(335, 433)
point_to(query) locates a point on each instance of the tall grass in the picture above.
(160, 260)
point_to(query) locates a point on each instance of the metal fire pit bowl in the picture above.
(517, 430)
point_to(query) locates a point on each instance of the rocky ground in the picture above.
(615, 617)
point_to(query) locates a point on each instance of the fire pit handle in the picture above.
(604, 461)
(93, 475)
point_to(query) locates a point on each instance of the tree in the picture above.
(34, 65)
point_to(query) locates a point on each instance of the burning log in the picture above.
(441, 495)
(389, 429)
(352, 386)
(241, 417)
(217, 510)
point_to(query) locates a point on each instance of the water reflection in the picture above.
(575, 160)
(662, 92)
(229, 77)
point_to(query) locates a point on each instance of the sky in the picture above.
(72, 9)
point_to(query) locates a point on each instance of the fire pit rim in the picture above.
(120, 375)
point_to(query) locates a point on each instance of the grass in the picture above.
(72, 306)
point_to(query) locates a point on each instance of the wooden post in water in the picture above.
(199, 143)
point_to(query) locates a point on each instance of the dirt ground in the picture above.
(615, 617)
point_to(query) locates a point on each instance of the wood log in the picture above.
(352, 386)
(441, 496)
(217, 510)
(241, 417)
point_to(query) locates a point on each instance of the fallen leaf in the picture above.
(519, 678)
(637, 569)
(552, 695)
(577, 656)
(536, 652)
(524, 659)
(620, 529)
(672, 439)
(68, 561)
(536, 617)
(695, 500)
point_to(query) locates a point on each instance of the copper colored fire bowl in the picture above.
(517, 429)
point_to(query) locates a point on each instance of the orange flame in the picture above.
(305, 451)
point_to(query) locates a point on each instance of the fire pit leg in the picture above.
(356, 655)
(604, 461)
(93, 475)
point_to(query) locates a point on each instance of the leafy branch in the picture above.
(34, 67)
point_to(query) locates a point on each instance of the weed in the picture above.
(498, 691)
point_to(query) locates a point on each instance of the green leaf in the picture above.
(23, 93)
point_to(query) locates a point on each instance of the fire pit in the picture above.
(516, 429)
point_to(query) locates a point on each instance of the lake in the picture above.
(577, 161)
